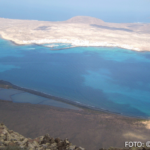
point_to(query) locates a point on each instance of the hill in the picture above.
(85, 19)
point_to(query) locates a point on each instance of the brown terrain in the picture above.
(89, 129)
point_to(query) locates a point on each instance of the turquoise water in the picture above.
(114, 79)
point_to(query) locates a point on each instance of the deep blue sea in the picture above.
(114, 79)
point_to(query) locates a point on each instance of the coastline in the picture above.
(67, 101)
(80, 43)
(74, 43)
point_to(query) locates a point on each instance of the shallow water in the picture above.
(5, 94)
(18, 96)
(110, 78)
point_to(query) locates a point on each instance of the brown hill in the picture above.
(85, 19)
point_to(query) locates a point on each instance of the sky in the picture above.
(118, 11)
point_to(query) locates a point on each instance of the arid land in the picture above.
(89, 129)
(78, 31)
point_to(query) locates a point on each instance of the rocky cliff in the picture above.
(10, 139)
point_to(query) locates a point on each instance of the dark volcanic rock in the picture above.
(10, 138)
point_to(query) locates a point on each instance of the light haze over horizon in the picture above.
(119, 11)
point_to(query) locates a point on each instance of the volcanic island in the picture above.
(77, 31)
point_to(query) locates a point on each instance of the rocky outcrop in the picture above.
(9, 138)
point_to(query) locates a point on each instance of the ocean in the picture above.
(113, 79)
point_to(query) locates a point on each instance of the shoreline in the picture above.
(73, 46)
(67, 101)
(76, 43)
(80, 43)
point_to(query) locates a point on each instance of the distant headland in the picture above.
(77, 31)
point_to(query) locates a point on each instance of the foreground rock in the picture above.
(9, 138)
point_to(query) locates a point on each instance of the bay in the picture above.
(113, 79)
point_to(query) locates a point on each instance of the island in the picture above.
(77, 31)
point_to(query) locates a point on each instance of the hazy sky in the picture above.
(58, 10)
